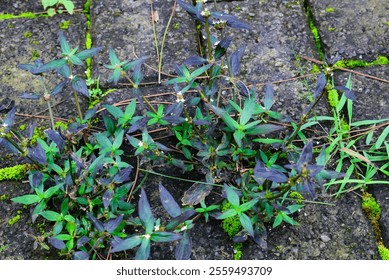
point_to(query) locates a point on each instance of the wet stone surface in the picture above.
(125, 26)
(24, 40)
(16, 7)
(358, 28)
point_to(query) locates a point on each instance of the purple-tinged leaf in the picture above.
(260, 236)
(56, 138)
(194, 11)
(82, 241)
(6, 105)
(65, 47)
(107, 197)
(168, 202)
(52, 65)
(306, 154)
(163, 236)
(79, 85)
(195, 61)
(162, 147)
(9, 120)
(264, 129)
(64, 71)
(119, 245)
(138, 125)
(269, 96)
(96, 223)
(123, 175)
(320, 84)
(186, 215)
(347, 92)
(38, 154)
(242, 88)
(144, 212)
(56, 243)
(90, 113)
(112, 224)
(134, 63)
(143, 252)
(30, 95)
(80, 255)
(308, 187)
(35, 179)
(184, 248)
(231, 20)
(88, 53)
(221, 47)
(79, 162)
(235, 59)
(262, 172)
(7, 145)
(196, 193)
(58, 88)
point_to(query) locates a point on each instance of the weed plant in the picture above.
(84, 187)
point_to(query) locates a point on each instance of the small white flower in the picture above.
(180, 97)
(184, 228)
(156, 228)
(186, 119)
(140, 144)
(5, 125)
(147, 236)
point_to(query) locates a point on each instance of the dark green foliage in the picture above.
(84, 185)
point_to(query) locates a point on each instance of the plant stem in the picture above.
(51, 113)
(77, 105)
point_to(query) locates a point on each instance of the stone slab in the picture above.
(22, 41)
(338, 232)
(279, 35)
(126, 26)
(16, 7)
(358, 27)
(372, 101)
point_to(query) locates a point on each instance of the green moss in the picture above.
(383, 251)
(333, 98)
(238, 251)
(176, 25)
(38, 133)
(65, 24)
(22, 127)
(22, 15)
(315, 69)
(315, 32)
(15, 219)
(345, 127)
(330, 10)
(27, 34)
(14, 173)
(297, 196)
(354, 63)
(371, 207)
(34, 55)
(35, 42)
(231, 225)
(331, 28)
(3, 197)
(387, 23)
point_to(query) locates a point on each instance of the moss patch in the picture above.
(14, 173)
(384, 252)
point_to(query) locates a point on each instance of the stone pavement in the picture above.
(282, 32)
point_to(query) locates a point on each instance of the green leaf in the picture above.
(51, 12)
(162, 236)
(382, 138)
(227, 214)
(246, 223)
(247, 112)
(69, 6)
(238, 136)
(200, 71)
(63, 237)
(232, 196)
(103, 140)
(288, 219)
(114, 111)
(144, 250)
(51, 216)
(52, 190)
(277, 220)
(48, 3)
(248, 205)
(264, 129)
(26, 199)
(126, 244)
(118, 140)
